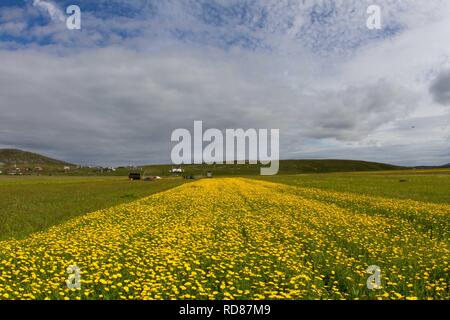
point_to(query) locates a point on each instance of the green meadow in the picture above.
(430, 185)
(34, 203)
(30, 203)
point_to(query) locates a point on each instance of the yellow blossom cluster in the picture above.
(236, 238)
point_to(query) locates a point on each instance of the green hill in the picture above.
(31, 163)
(286, 167)
(19, 157)
(13, 161)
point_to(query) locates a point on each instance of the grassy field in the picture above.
(421, 185)
(308, 236)
(29, 204)
(235, 238)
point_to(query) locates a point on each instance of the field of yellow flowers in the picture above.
(236, 238)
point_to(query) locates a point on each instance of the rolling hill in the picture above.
(28, 161)
(19, 157)
(18, 162)
(286, 167)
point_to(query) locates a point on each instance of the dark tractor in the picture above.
(134, 176)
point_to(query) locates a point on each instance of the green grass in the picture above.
(422, 185)
(286, 167)
(29, 204)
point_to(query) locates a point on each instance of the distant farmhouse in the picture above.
(15, 171)
(176, 170)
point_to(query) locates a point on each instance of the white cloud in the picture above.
(54, 12)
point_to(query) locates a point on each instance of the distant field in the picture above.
(421, 185)
(29, 204)
(286, 167)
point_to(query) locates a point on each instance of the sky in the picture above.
(112, 92)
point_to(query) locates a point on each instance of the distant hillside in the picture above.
(445, 166)
(23, 162)
(10, 157)
(286, 167)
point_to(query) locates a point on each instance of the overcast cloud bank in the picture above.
(113, 92)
